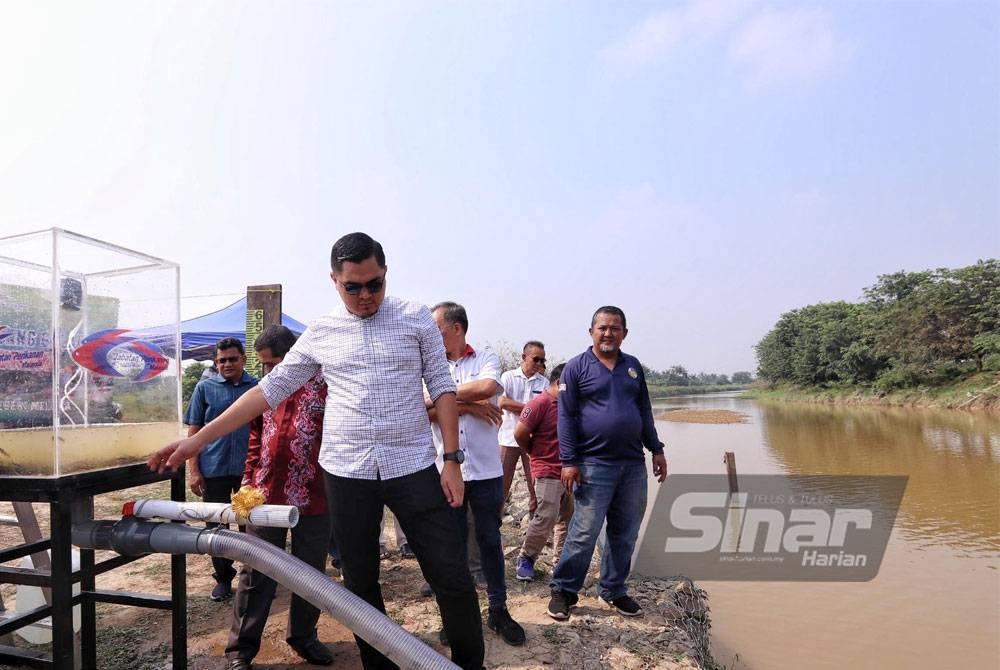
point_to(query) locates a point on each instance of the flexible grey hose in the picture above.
(130, 536)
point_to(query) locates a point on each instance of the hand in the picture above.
(197, 483)
(482, 410)
(452, 484)
(570, 477)
(659, 467)
(174, 455)
(532, 505)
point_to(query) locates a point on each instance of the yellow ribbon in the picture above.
(245, 500)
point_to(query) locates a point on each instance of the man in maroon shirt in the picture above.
(536, 435)
(282, 461)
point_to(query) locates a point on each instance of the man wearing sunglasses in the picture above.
(376, 353)
(215, 474)
(520, 386)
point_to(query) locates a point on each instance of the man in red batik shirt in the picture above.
(282, 461)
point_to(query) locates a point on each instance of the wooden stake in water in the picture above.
(730, 460)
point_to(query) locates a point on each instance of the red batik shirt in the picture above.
(283, 456)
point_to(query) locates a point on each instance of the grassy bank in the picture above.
(980, 392)
(664, 391)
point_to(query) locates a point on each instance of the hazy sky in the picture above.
(706, 166)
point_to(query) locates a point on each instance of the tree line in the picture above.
(677, 375)
(911, 328)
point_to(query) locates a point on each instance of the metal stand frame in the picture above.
(71, 498)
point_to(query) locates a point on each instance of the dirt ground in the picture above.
(672, 634)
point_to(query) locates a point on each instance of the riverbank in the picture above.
(979, 392)
(672, 635)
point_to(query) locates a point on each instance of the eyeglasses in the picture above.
(538, 360)
(354, 288)
(227, 359)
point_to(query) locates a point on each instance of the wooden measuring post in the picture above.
(263, 309)
(730, 460)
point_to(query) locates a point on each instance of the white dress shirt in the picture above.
(520, 389)
(375, 423)
(476, 437)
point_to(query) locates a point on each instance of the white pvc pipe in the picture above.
(274, 516)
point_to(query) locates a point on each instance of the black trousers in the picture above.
(220, 489)
(432, 530)
(255, 590)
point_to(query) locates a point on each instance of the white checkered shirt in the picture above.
(375, 423)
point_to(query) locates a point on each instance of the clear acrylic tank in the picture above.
(88, 337)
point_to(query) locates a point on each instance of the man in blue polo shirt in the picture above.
(217, 472)
(605, 420)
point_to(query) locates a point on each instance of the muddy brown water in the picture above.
(935, 602)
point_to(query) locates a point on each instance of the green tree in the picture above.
(775, 349)
(973, 310)
(843, 350)
(926, 319)
(710, 379)
(676, 375)
(192, 375)
(912, 327)
(817, 344)
(742, 377)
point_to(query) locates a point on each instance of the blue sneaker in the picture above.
(525, 571)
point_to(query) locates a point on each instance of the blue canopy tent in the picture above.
(199, 335)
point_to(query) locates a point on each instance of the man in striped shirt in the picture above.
(375, 353)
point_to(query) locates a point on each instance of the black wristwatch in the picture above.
(457, 456)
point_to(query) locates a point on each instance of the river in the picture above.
(935, 602)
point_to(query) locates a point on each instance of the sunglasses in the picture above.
(227, 359)
(354, 288)
(538, 360)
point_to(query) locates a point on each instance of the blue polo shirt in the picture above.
(227, 455)
(605, 417)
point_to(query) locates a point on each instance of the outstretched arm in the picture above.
(172, 456)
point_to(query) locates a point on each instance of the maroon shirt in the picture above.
(541, 416)
(283, 455)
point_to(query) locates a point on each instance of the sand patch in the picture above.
(703, 416)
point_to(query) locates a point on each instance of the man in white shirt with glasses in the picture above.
(520, 386)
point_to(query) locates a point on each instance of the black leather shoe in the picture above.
(240, 664)
(499, 620)
(314, 652)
